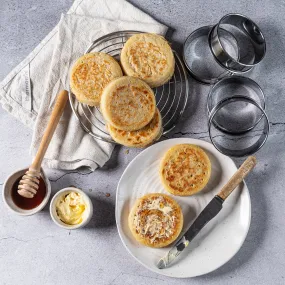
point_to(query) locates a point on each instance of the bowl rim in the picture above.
(56, 219)
(34, 210)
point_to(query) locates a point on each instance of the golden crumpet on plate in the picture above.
(185, 169)
(140, 138)
(90, 74)
(128, 103)
(156, 220)
(148, 57)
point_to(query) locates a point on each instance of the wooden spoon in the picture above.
(29, 184)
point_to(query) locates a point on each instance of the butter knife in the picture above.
(208, 213)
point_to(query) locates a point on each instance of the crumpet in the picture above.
(185, 169)
(155, 220)
(139, 138)
(90, 74)
(128, 103)
(148, 57)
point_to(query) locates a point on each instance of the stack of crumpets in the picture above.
(127, 103)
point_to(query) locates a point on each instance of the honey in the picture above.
(28, 203)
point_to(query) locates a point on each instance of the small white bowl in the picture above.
(87, 214)
(7, 193)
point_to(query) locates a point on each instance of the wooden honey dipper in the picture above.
(29, 184)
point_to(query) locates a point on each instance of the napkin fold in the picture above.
(29, 91)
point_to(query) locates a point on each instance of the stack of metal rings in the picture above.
(220, 55)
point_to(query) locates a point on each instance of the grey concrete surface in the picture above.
(33, 250)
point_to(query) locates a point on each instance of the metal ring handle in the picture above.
(246, 151)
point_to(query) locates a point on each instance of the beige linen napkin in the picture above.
(29, 91)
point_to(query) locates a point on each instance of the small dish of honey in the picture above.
(22, 205)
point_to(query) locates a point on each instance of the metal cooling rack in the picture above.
(171, 98)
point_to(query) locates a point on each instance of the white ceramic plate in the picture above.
(218, 241)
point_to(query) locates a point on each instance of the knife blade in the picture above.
(208, 213)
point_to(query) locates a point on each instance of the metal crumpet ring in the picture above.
(246, 114)
(233, 46)
(250, 43)
(199, 59)
(242, 144)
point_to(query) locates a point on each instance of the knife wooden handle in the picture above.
(237, 178)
